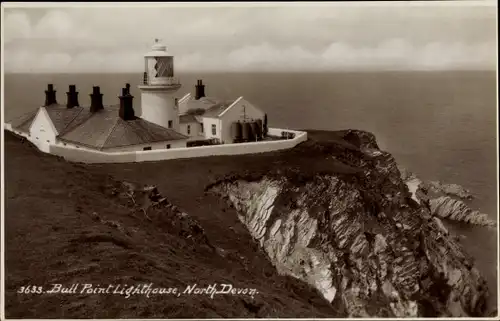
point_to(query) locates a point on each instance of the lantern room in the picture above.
(159, 67)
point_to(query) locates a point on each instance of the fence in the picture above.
(89, 156)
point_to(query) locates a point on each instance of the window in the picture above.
(168, 146)
(147, 148)
(201, 125)
(214, 129)
(164, 67)
(169, 124)
(189, 129)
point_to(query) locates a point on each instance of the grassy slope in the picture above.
(51, 238)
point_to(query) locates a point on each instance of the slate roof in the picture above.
(62, 116)
(105, 129)
(23, 122)
(100, 130)
(212, 106)
(217, 109)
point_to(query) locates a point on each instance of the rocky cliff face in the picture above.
(363, 239)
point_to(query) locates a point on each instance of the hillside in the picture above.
(74, 223)
(52, 236)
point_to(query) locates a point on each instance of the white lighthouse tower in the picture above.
(158, 103)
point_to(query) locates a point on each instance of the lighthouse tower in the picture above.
(158, 88)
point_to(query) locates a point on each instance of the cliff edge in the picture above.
(355, 232)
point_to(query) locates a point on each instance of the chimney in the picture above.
(126, 106)
(72, 97)
(50, 95)
(96, 99)
(200, 90)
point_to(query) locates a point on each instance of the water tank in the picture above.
(236, 131)
(255, 128)
(258, 129)
(260, 123)
(246, 131)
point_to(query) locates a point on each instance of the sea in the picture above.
(440, 125)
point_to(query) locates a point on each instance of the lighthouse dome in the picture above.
(159, 47)
(158, 50)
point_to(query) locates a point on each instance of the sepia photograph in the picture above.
(249, 160)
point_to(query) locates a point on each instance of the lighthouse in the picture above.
(158, 88)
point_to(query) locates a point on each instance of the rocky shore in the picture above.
(446, 201)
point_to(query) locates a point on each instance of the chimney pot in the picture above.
(50, 95)
(126, 105)
(200, 90)
(96, 99)
(72, 97)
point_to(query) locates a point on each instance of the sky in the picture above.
(251, 37)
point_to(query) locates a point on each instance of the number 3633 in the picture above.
(30, 289)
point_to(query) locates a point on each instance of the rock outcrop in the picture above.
(456, 210)
(359, 238)
(147, 202)
(437, 187)
(449, 189)
(445, 200)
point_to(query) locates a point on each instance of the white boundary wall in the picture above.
(75, 154)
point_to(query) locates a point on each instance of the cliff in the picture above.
(327, 229)
(361, 238)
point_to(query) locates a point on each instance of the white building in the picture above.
(209, 118)
(161, 122)
(158, 100)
